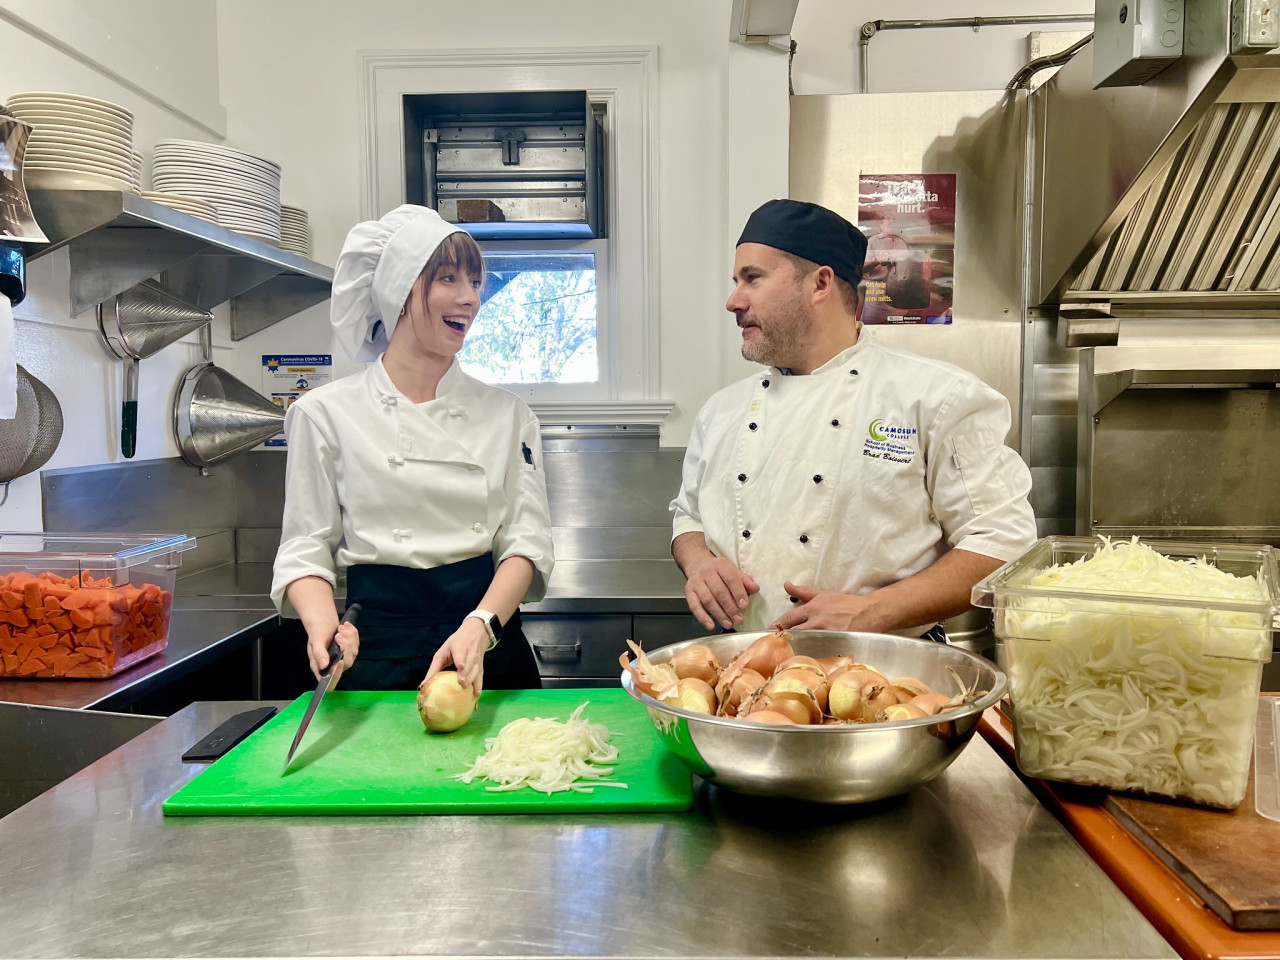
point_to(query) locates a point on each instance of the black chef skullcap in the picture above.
(810, 232)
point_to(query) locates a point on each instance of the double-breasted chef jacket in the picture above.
(374, 478)
(857, 476)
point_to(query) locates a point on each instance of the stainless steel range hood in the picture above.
(1161, 199)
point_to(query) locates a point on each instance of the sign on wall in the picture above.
(910, 224)
(286, 377)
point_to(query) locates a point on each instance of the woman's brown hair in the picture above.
(457, 250)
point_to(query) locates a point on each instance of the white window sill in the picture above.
(575, 413)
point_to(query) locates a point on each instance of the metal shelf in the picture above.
(117, 240)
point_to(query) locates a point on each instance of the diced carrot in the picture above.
(11, 600)
(62, 623)
(11, 663)
(31, 595)
(8, 645)
(80, 619)
(31, 666)
(48, 641)
(97, 653)
(44, 630)
(53, 603)
(16, 617)
(19, 580)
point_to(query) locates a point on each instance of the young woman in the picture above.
(425, 485)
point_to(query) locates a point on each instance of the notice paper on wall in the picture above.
(910, 224)
(286, 377)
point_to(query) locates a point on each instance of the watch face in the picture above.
(495, 626)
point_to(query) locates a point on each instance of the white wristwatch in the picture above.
(492, 625)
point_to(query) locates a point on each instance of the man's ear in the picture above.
(824, 284)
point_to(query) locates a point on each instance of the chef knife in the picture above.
(326, 681)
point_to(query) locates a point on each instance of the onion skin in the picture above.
(800, 662)
(693, 695)
(768, 716)
(899, 711)
(731, 693)
(696, 662)
(908, 687)
(791, 706)
(764, 655)
(817, 685)
(445, 704)
(931, 703)
(654, 679)
(796, 690)
(859, 694)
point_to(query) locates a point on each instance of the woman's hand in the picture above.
(348, 638)
(465, 650)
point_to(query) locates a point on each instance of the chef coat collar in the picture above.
(835, 363)
(452, 380)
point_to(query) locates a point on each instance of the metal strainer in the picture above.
(136, 324)
(30, 438)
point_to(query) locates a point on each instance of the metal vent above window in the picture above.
(508, 166)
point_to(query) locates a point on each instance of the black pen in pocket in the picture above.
(528, 454)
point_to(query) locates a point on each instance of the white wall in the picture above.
(65, 352)
(953, 58)
(289, 82)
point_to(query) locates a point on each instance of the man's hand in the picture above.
(828, 610)
(717, 591)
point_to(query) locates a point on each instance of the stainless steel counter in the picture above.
(969, 865)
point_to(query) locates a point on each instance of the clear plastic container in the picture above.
(1131, 690)
(84, 605)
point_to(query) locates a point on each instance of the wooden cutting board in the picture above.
(368, 753)
(1231, 859)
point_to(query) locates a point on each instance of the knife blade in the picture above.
(327, 680)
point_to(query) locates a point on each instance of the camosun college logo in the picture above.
(880, 432)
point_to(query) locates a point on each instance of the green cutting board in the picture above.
(368, 753)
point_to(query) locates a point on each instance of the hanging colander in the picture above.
(30, 438)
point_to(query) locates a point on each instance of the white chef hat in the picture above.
(375, 272)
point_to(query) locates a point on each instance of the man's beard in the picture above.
(779, 339)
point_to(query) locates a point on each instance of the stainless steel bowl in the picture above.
(853, 763)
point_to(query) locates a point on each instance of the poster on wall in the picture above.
(286, 377)
(910, 224)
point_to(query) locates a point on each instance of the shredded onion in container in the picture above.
(1158, 695)
(547, 756)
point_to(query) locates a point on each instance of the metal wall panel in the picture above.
(979, 136)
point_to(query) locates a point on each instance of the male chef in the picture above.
(850, 485)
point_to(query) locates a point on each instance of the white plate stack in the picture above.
(295, 230)
(78, 143)
(244, 188)
(192, 205)
(136, 171)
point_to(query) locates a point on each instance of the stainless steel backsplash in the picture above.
(608, 498)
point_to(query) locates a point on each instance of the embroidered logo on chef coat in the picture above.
(889, 442)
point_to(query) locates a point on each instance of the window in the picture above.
(538, 321)
(546, 300)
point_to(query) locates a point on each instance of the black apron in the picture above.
(408, 614)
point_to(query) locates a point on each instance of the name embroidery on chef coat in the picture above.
(889, 442)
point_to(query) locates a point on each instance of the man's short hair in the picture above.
(848, 292)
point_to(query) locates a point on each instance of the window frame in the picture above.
(624, 79)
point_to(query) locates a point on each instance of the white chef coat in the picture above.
(373, 477)
(854, 477)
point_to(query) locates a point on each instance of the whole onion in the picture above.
(693, 695)
(697, 662)
(767, 716)
(444, 703)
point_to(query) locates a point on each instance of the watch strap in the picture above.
(492, 625)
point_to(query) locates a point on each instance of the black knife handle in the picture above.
(352, 616)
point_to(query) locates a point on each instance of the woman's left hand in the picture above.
(465, 650)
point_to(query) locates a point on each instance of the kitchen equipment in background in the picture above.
(830, 763)
(183, 204)
(78, 143)
(369, 754)
(107, 598)
(136, 324)
(29, 439)
(327, 679)
(216, 416)
(244, 188)
(295, 230)
(17, 222)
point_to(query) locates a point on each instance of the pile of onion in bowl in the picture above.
(849, 747)
(769, 683)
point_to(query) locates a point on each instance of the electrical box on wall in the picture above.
(1133, 40)
(1253, 26)
(509, 165)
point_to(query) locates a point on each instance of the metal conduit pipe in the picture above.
(872, 27)
(1023, 77)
